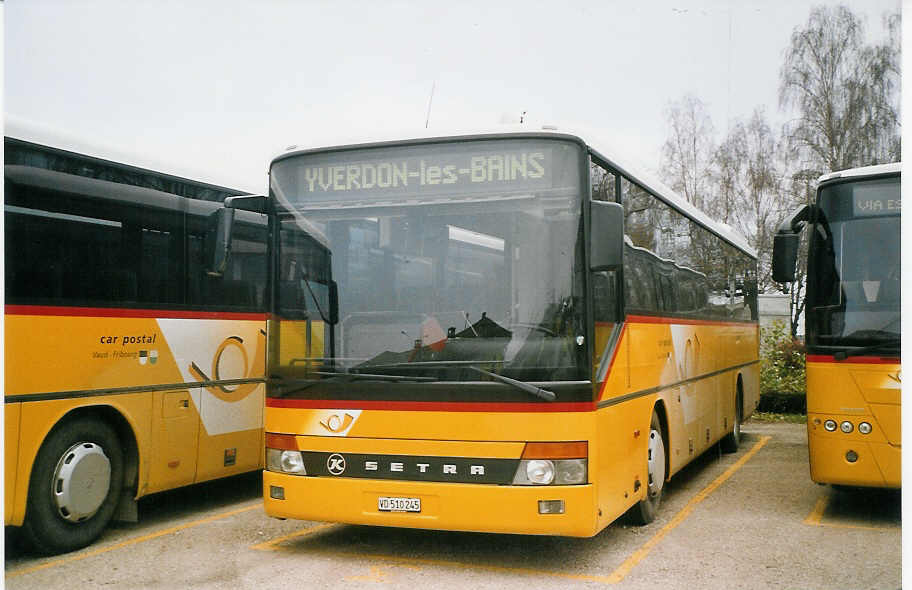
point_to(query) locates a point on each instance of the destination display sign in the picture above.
(426, 171)
(881, 199)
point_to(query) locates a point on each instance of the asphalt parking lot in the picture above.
(748, 520)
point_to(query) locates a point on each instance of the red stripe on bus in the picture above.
(323, 404)
(648, 319)
(111, 312)
(860, 360)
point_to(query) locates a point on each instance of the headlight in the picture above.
(570, 472)
(551, 472)
(830, 425)
(285, 461)
(540, 471)
(864, 428)
(847, 427)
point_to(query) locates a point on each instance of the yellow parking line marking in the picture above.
(860, 527)
(621, 572)
(273, 545)
(276, 545)
(815, 518)
(406, 561)
(614, 578)
(817, 513)
(133, 541)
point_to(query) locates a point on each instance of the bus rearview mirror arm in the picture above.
(606, 238)
(786, 242)
(255, 203)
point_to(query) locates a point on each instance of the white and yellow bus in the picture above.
(852, 317)
(524, 335)
(131, 366)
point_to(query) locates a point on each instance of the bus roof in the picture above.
(604, 150)
(36, 133)
(878, 170)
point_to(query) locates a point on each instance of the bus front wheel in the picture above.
(645, 511)
(74, 488)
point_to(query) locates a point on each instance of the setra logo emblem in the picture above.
(336, 464)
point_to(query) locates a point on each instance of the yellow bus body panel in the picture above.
(855, 392)
(184, 433)
(11, 458)
(457, 507)
(695, 369)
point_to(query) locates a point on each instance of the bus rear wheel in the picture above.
(76, 482)
(645, 510)
(732, 440)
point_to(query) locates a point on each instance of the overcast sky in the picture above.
(221, 87)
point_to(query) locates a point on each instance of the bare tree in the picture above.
(843, 90)
(688, 151)
(749, 195)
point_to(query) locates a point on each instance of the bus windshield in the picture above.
(854, 276)
(453, 260)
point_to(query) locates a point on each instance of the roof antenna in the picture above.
(430, 101)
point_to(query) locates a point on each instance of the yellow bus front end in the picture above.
(853, 325)
(854, 421)
(444, 470)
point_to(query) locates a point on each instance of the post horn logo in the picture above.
(896, 376)
(238, 366)
(337, 424)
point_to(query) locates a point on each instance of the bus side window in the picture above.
(604, 290)
(603, 181)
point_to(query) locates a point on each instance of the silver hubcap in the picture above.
(81, 481)
(656, 463)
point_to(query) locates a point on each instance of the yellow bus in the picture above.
(131, 366)
(852, 325)
(524, 335)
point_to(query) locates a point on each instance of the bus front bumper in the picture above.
(444, 506)
(873, 464)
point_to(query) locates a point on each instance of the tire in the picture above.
(75, 485)
(645, 510)
(732, 440)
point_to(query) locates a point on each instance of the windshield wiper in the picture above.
(844, 354)
(544, 394)
(371, 377)
(337, 377)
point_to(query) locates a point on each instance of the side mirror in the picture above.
(606, 236)
(785, 256)
(785, 244)
(217, 245)
(333, 303)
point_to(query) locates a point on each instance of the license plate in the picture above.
(385, 504)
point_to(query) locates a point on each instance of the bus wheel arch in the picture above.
(126, 433)
(731, 441)
(77, 479)
(646, 510)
